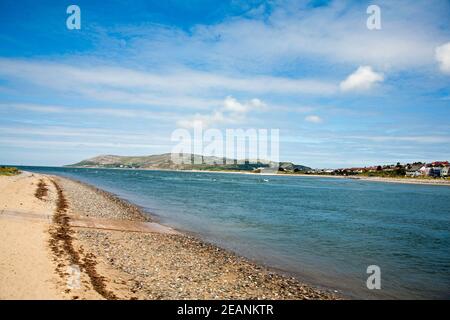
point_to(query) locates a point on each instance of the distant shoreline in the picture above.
(434, 182)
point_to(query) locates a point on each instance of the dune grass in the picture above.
(8, 171)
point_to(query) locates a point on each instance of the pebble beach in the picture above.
(120, 259)
(173, 266)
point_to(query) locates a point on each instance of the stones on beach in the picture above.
(92, 202)
(176, 267)
(173, 266)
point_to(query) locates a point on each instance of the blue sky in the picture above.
(341, 95)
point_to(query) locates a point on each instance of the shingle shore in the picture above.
(164, 266)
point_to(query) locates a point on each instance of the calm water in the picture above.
(322, 230)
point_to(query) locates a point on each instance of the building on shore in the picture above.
(444, 171)
(413, 170)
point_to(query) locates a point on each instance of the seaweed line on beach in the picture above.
(61, 244)
(41, 190)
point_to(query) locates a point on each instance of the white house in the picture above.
(413, 170)
(425, 170)
(444, 171)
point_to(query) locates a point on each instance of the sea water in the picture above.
(324, 231)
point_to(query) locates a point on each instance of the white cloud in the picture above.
(443, 57)
(232, 105)
(231, 112)
(313, 119)
(202, 120)
(362, 79)
(110, 112)
(38, 136)
(31, 143)
(288, 31)
(415, 139)
(174, 88)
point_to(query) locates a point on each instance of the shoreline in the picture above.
(126, 263)
(152, 217)
(434, 182)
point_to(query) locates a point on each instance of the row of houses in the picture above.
(434, 169)
(416, 169)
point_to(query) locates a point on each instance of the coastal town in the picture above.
(436, 169)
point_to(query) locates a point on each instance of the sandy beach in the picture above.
(434, 182)
(61, 239)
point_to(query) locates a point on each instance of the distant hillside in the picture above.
(191, 162)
